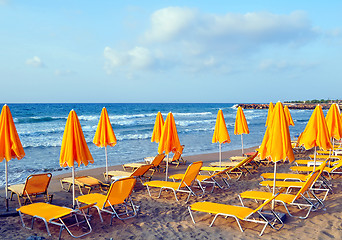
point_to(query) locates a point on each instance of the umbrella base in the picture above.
(269, 215)
(10, 213)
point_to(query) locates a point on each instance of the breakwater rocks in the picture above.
(290, 105)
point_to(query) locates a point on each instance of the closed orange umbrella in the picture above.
(276, 144)
(10, 145)
(288, 116)
(269, 113)
(158, 127)
(74, 147)
(316, 133)
(241, 126)
(221, 133)
(169, 140)
(334, 122)
(104, 135)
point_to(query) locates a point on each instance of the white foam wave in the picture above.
(133, 137)
(194, 122)
(192, 114)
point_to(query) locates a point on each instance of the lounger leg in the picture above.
(174, 192)
(212, 222)
(263, 229)
(192, 217)
(98, 210)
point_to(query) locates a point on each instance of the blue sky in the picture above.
(170, 51)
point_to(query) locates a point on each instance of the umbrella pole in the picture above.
(106, 163)
(220, 155)
(314, 160)
(167, 167)
(242, 143)
(274, 183)
(73, 187)
(6, 190)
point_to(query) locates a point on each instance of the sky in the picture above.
(156, 51)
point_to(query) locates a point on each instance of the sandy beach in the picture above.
(165, 218)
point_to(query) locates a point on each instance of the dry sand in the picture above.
(165, 218)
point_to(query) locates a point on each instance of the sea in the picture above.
(41, 126)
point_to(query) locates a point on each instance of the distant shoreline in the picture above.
(290, 105)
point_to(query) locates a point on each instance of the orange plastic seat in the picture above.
(87, 182)
(286, 199)
(118, 195)
(56, 215)
(139, 173)
(35, 184)
(238, 212)
(183, 186)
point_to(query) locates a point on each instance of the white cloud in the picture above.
(279, 65)
(35, 62)
(230, 32)
(169, 23)
(3, 2)
(67, 72)
(189, 40)
(138, 58)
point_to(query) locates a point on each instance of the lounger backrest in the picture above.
(337, 165)
(308, 183)
(158, 159)
(119, 191)
(177, 154)
(140, 171)
(244, 161)
(265, 203)
(37, 184)
(190, 174)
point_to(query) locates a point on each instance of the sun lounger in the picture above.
(296, 184)
(139, 173)
(236, 168)
(177, 157)
(156, 163)
(87, 182)
(334, 169)
(285, 176)
(300, 199)
(324, 157)
(239, 213)
(183, 186)
(35, 185)
(56, 215)
(206, 179)
(117, 201)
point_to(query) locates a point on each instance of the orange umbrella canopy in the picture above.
(269, 114)
(10, 145)
(221, 133)
(276, 144)
(104, 135)
(169, 137)
(334, 122)
(241, 125)
(74, 146)
(316, 132)
(288, 116)
(158, 127)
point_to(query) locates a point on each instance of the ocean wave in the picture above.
(37, 119)
(235, 106)
(192, 114)
(194, 122)
(37, 132)
(134, 136)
